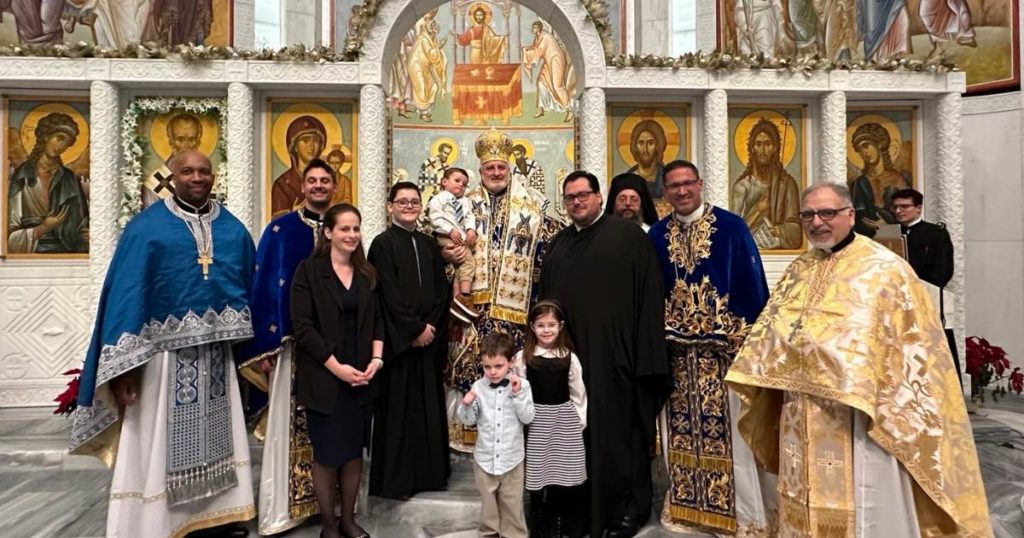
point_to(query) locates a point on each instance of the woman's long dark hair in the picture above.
(562, 345)
(323, 245)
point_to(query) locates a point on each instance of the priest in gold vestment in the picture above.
(850, 396)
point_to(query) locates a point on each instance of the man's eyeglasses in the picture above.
(580, 197)
(406, 203)
(825, 214)
(897, 207)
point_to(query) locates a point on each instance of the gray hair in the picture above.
(840, 190)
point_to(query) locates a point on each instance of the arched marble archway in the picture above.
(568, 18)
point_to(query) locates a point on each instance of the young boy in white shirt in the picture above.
(499, 405)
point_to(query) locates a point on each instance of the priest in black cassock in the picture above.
(410, 439)
(604, 272)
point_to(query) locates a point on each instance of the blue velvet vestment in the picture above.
(155, 299)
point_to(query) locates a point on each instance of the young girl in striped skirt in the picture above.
(555, 457)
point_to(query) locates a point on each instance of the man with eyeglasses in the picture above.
(410, 430)
(513, 228)
(849, 393)
(603, 271)
(929, 251)
(929, 247)
(629, 199)
(715, 288)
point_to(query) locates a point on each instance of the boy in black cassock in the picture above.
(410, 444)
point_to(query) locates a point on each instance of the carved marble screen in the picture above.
(642, 137)
(468, 66)
(980, 36)
(880, 158)
(300, 130)
(116, 23)
(46, 177)
(767, 170)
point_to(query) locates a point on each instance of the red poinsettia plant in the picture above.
(988, 364)
(67, 401)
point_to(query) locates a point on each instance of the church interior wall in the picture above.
(994, 234)
(47, 305)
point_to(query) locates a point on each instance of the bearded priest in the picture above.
(850, 396)
(158, 398)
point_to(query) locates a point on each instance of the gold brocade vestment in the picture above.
(855, 331)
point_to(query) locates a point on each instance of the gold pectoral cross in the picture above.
(205, 260)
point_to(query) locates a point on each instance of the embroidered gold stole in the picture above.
(856, 330)
(504, 255)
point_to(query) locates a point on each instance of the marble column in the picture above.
(104, 180)
(715, 168)
(593, 142)
(832, 139)
(373, 142)
(950, 209)
(241, 154)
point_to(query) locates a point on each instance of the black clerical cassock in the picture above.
(930, 252)
(410, 445)
(607, 279)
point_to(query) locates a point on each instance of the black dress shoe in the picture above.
(626, 528)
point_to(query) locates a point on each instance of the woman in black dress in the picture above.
(340, 341)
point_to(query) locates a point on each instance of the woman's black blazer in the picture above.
(317, 321)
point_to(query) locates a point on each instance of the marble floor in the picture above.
(46, 493)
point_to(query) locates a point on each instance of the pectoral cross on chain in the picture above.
(205, 260)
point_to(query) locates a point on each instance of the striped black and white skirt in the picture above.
(554, 447)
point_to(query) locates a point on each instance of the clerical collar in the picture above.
(593, 222)
(841, 245)
(189, 208)
(915, 223)
(310, 215)
(409, 229)
(692, 217)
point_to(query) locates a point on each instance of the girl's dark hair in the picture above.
(563, 344)
(323, 245)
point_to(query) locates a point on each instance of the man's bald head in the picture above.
(192, 154)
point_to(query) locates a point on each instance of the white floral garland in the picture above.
(132, 146)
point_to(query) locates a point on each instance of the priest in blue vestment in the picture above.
(158, 398)
(286, 488)
(715, 288)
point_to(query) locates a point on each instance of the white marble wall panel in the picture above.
(994, 227)
(995, 306)
(45, 322)
(992, 178)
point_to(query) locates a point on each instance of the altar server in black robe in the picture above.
(605, 273)
(929, 247)
(410, 445)
(929, 251)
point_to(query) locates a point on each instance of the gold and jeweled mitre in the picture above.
(493, 145)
